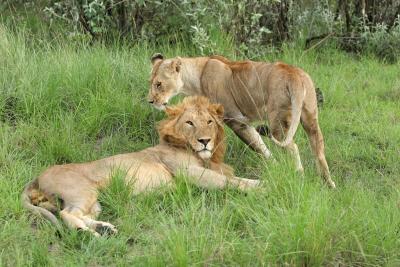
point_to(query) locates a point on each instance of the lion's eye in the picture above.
(209, 122)
(190, 123)
(158, 85)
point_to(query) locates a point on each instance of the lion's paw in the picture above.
(105, 228)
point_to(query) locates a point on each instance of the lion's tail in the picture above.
(297, 99)
(27, 203)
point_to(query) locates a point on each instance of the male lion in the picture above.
(250, 92)
(191, 140)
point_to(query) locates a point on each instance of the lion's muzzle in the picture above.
(205, 152)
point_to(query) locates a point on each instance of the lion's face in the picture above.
(200, 130)
(195, 123)
(165, 81)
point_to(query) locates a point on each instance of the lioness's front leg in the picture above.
(210, 179)
(250, 136)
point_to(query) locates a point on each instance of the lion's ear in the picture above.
(156, 57)
(173, 111)
(218, 109)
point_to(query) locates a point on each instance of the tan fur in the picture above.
(250, 92)
(182, 148)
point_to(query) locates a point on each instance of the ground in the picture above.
(66, 103)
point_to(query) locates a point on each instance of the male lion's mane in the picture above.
(169, 135)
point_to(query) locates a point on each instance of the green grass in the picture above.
(68, 103)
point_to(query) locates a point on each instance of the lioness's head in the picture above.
(165, 81)
(196, 124)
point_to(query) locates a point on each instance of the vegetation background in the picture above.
(73, 80)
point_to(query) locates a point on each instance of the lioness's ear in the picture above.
(156, 57)
(219, 109)
(173, 111)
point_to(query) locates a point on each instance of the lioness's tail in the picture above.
(27, 203)
(297, 99)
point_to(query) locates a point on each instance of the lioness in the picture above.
(250, 92)
(191, 140)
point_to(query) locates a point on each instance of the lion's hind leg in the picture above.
(81, 215)
(82, 218)
(75, 218)
(102, 228)
(72, 217)
(99, 226)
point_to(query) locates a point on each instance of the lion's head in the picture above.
(165, 81)
(195, 124)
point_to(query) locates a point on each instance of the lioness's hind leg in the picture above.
(310, 123)
(279, 128)
(294, 151)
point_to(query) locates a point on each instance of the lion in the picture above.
(251, 92)
(191, 142)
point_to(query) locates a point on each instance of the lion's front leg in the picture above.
(207, 178)
(243, 183)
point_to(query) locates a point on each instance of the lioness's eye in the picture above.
(190, 123)
(209, 122)
(158, 85)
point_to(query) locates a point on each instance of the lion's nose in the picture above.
(204, 141)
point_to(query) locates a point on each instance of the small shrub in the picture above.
(382, 41)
